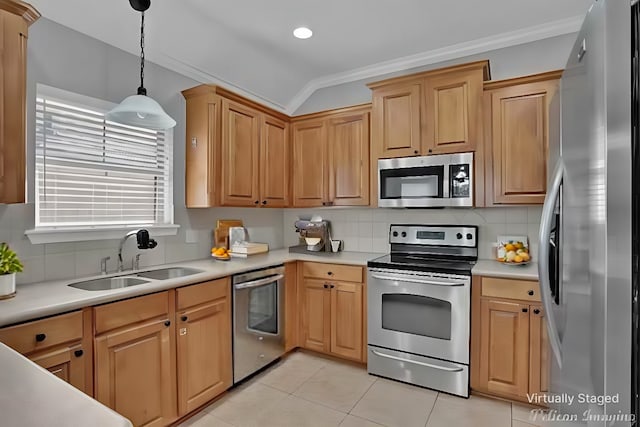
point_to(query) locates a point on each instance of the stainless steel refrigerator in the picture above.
(589, 230)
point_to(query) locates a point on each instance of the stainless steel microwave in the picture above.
(444, 180)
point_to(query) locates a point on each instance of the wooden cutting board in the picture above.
(221, 233)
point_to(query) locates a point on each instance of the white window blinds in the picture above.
(92, 172)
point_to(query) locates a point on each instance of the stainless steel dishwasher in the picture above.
(258, 320)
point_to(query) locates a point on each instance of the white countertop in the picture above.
(31, 396)
(37, 300)
(493, 268)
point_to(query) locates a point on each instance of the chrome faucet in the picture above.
(144, 242)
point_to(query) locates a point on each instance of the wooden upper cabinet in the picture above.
(240, 154)
(453, 112)
(310, 166)
(349, 160)
(517, 139)
(504, 358)
(203, 343)
(15, 18)
(274, 162)
(237, 151)
(396, 116)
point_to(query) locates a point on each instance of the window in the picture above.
(92, 173)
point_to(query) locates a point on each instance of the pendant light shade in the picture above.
(141, 110)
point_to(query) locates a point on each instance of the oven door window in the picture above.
(417, 315)
(263, 309)
(412, 183)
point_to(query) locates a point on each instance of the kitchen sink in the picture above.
(108, 283)
(168, 273)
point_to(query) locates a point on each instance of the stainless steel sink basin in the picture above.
(108, 283)
(169, 273)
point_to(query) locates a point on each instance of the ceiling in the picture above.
(248, 45)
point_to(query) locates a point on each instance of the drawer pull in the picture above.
(41, 337)
(78, 353)
(536, 311)
(531, 292)
(167, 323)
(326, 286)
(184, 318)
(525, 310)
(330, 273)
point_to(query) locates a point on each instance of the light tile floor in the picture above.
(309, 390)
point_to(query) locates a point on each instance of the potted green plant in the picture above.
(9, 266)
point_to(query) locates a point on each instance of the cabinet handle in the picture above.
(184, 318)
(525, 310)
(530, 292)
(41, 337)
(332, 286)
(330, 273)
(324, 203)
(536, 311)
(167, 323)
(78, 353)
(415, 152)
(430, 150)
(257, 202)
(325, 286)
(264, 202)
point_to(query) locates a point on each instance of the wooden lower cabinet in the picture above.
(331, 316)
(509, 344)
(135, 362)
(203, 343)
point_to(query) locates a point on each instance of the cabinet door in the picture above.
(202, 148)
(539, 347)
(504, 359)
(519, 139)
(346, 319)
(309, 163)
(316, 315)
(204, 353)
(349, 160)
(67, 363)
(133, 373)
(452, 112)
(240, 155)
(396, 120)
(274, 163)
(13, 69)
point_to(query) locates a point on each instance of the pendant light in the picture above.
(141, 110)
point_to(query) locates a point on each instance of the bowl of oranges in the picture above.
(221, 254)
(513, 250)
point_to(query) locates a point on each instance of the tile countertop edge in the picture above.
(35, 397)
(491, 268)
(38, 300)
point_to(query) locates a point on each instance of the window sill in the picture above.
(80, 234)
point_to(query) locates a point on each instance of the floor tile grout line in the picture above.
(432, 408)
(363, 395)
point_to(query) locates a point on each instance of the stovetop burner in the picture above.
(412, 262)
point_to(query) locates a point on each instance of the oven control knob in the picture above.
(469, 236)
(395, 234)
(404, 234)
(459, 236)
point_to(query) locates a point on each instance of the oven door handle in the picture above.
(259, 282)
(415, 362)
(415, 280)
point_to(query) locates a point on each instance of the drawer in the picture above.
(34, 336)
(193, 295)
(345, 273)
(118, 314)
(510, 288)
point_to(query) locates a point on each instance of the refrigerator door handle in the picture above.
(543, 259)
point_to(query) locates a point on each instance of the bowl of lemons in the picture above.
(513, 250)
(221, 254)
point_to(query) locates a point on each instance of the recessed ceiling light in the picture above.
(302, 32)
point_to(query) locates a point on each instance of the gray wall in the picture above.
(530, 58)
(66, 59)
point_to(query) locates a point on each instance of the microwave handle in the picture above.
(259, 282)
(446, 184)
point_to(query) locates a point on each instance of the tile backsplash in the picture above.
(367, 229)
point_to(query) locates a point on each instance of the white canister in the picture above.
(7, 285)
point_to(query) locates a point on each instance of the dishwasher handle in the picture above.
(259, 282)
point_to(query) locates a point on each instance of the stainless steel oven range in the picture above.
(258, 320)
(419, 303)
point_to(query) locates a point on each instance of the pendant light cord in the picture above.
(141, 89)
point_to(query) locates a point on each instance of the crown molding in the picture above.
(498, 41)
(202, 76)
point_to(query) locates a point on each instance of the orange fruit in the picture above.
(525, 256)
(518, 258)
(509, 247)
